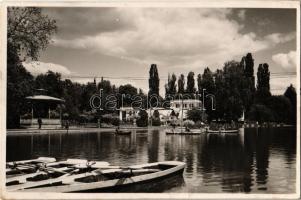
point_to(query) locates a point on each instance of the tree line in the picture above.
(29, 31)
(235, 93)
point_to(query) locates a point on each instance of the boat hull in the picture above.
(123, 132)
(132, 184)
(223, 132)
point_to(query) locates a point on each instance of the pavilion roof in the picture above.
(44, 98)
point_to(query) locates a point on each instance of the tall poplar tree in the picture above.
(153, 80)
(181, 84)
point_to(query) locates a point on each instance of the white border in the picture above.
(142, 3)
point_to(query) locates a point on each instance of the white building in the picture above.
(185, 104)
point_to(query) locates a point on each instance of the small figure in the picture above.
(117, 129)
(67, 126)
(40, 122)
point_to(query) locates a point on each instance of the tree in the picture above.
(281, 107)
(261, 113)
(153, 80)
(171, 86)
(199, 80)
(51, 81)
(181, 83)
(233, 105)
(106, 86)
(156, 118)
(28, 32)
(290, 93)
(19, 85)
(263, 84)
(190, 84)
(207, 85)
(248, 83)
(128, 92)
(194, 115)
(142, 120)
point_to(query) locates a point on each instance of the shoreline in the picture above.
(12, 132)
(73, 130)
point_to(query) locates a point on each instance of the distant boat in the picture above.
(114, 179)
(123, 132)
(223, 131)
(183, 131)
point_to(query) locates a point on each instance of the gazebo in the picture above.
(45, 107)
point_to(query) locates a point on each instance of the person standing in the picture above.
(40, 122)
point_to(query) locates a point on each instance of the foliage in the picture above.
(181, 84)
(153, 80)
(51, 81)
(142, 120)
(190, 84)
(171, 86)
(199, 82)
(281, 107)
(19, 85)
(127, 93)
(195, 115)
(189, 123)
(263, 84)
(261, 113)
(156, 118)
(28, 30)
(290, 93)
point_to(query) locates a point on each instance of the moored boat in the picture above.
(123, 132)
(182, 131)
(26, 166)
(115, 179)
(53, 172)
(233, 131)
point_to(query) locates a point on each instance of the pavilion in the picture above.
(45, 107)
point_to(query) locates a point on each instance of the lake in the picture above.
(259, 160)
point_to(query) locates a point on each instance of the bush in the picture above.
(142, 120)
(189, 123)
(156, 119)
(194, 115)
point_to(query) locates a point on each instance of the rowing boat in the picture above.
(26, 166)
(53, 172)
(123, 132)
(223, 131)
(114, 179)
(184, 132)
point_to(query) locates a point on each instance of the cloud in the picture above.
(36, 68)
(279, 85)
(285, 60)
(174, 37)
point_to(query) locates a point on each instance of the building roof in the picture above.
(44, 98)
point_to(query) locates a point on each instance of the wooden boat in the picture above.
(223, 131)
(182, 131)
(53, 172)
(116, 179)
(26, 166)
(123, 132)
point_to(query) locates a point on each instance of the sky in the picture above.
(123, 42)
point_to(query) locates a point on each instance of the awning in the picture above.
(44, 98)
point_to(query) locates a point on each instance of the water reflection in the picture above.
(255, 161)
